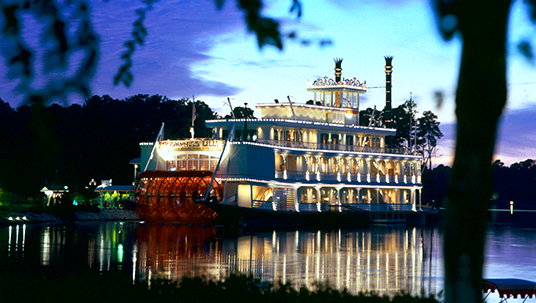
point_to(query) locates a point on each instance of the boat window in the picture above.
(349, 196)
(238, 135)
(334, 139)
(307, 195)
(324, 138)
(251, 133)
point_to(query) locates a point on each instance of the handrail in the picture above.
(359, 209)
(332, 147)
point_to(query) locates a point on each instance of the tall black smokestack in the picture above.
(338, 69)
(388, 71)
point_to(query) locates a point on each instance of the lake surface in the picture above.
(384, 259)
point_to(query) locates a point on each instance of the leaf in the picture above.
(11, 26)
(525, 48)
(296, 6)
(219, 3)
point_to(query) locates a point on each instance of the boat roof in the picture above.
(308, 106)
(304, 124)
(328, 84)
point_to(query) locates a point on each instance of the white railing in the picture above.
(268, 205)
(383, 207)
(302, 176)
(308, 207)
(324, 207)
(333, 147)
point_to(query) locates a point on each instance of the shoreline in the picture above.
(102, 215)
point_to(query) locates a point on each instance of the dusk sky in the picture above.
(194, 49)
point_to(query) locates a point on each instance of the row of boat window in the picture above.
(288, 135)
(192, 162)
(331, 195)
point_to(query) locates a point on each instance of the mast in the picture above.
(192, 131)
(298, 134)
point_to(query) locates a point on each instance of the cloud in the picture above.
(516, 139)
(180, 34)
(517, 136)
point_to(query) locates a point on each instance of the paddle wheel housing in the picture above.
(170, 196)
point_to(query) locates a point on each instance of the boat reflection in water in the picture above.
(381, 259)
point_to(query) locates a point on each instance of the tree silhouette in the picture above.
(480, 99)
(240, 112)
(428, 132)
(71, 145)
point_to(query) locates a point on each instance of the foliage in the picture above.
(403, 120)
(365, 117)
(428, 133)
(510, 183)
(435, 182)
(515, 182)
(115, 287)
(240, 112)
(66, 39)
(416, 134)
(58, 145)
(139, 32)
(12, 202)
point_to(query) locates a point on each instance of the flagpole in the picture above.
(192, 131)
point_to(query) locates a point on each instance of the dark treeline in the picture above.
(510, 183)
(516, 182)
(71, 145)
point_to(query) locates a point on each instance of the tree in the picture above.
(365, 117)
(480, 99)
(418, 134)
(240, 112)
(404, 122)
(429, 132)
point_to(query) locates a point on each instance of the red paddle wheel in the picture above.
(170, 196)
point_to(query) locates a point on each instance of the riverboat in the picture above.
(299, 163)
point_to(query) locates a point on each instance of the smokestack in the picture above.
(338, 69)
(388, 71)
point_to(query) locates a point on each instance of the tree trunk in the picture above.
(480, 99)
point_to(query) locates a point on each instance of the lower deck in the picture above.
(175, 196)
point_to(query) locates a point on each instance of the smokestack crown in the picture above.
(388, 60)
(338, 69)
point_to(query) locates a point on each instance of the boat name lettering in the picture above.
(194, 144)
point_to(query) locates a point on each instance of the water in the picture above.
(383, 259)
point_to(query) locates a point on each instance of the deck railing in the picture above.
(383, 207)
(333, 147)
(344, 177)
(324, 207)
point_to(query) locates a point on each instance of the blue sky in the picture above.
(193, 49)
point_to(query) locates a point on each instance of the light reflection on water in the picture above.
(383, 259)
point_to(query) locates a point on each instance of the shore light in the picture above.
(511, 207)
